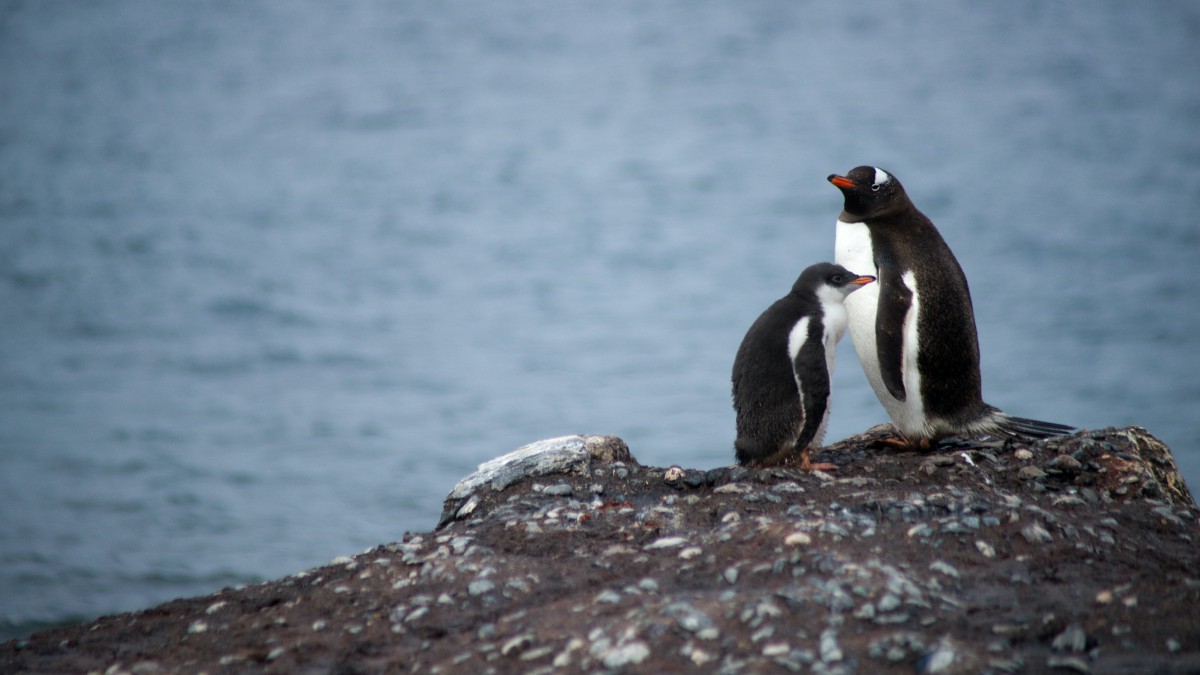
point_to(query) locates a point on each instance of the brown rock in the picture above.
(877, 568)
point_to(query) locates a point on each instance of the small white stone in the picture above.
(776, 649)
(213, 608)
(665, 542)
(797, 539)
(197, 627)
(690, 552)
(632, 653)
(944, 568)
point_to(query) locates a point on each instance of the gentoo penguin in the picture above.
(914, 331)
(781, 372)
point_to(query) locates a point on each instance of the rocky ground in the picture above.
(1076, 555)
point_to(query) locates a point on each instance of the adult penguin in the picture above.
(914, 331)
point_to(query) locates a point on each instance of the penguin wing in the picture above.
(895, 301)
(812, 377)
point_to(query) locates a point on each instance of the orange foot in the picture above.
(900, 443)
(806, 463)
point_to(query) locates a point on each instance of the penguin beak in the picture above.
(863, 280)
(840, 181)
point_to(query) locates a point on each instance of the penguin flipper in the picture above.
(895, 301)
(812, 377)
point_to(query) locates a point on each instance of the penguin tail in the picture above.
(1025, 427)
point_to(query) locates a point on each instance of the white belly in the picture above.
(852, 250)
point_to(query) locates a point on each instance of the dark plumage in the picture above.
(782, 369)
(915, 333)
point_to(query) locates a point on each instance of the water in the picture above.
(273, 277)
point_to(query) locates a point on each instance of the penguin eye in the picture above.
(837, 278)
(875, 187)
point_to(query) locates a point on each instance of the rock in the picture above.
(566, 454)
(665, 542)
(797, 539)
(1030, 473)
(1036, 534)
(480, 586)
(558, 490)
(628, 654)
(1073, 639)
(882, 568)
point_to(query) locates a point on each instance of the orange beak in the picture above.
(841, 181)
(863, 280)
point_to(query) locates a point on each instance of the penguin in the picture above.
(914, 331)
(782, 369)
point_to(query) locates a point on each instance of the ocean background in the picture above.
(274, 276)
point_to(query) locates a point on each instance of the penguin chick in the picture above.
(914, 331)
(782, 370)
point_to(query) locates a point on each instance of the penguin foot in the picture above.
(903, 444)
(808, 466)
(818, 466)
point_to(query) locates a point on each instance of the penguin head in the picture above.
(869, 191)
(827, 280)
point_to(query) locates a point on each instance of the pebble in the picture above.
(775, 649)
(215, 607)
(563, 658)
(985, 548)
(828, 646)
(1072, 639)
(1036, 534)
(939, 660)
(1065, 464)
(517, 644)
(467, 508)
(1023, 455)
(665, 542)
(559, 490)
(1030, 473)
(888, 603)
(797, 539)
(945, 568)
(628, 654)
(480, 586)
(608, 597)
(730, 575)
(920, 530)
(1068, 663)
(197, 627)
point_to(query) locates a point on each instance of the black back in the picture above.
(766, 397)
(904, 239)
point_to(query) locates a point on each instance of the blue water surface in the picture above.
(273, 276)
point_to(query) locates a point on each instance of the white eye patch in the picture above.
(881, 176)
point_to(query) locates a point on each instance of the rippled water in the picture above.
(273, 277)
